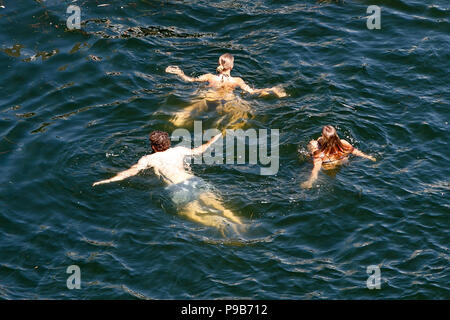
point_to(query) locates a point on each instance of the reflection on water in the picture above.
(120, 31)
(14, 51)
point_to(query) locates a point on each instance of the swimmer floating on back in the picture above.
(188, 193)
(329, 151)
(222, 85)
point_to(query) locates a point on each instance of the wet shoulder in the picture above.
(347, 145)
(238, 81)
(207, 77)
(313, 145)
(171, 155)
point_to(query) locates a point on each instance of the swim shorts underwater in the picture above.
(182, 193)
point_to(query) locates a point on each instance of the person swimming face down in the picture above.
(159, 141)
(330, 143)
(329, 149)
(226, 63)
(190, 195)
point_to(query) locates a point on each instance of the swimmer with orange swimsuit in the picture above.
(329, 151)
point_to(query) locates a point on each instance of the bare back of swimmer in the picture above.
(223, 80)
(329, 151)
(190, 194)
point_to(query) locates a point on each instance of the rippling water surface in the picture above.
(77, 106)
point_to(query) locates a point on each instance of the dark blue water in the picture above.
(77, 106)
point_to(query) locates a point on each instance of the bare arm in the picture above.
(176, 70)
(313, 146)
(263, 92)
(202, 148)
(141, 165)
(358, 153)
(314, 174)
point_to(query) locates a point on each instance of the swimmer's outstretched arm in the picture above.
(277, 91)
(141, 165)
(314, 174)
(176, 70)
(358, 153)
(202, 148)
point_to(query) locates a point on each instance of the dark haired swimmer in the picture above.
(221, 90)
(329, 151)
(188, 193)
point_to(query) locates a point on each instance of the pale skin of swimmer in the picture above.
(318, 163)
(223, 86)
(225, 82)
(169, 166)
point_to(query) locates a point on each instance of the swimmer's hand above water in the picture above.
(101, 182)
(177, 71)
(307, 184)
(174, 70)
(279, 92)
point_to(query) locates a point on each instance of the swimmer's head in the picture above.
(226, 63)
(159, 141)
(330, 143)
(329, 133)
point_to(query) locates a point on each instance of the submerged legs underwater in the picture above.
(199, 211)
(233, 113)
